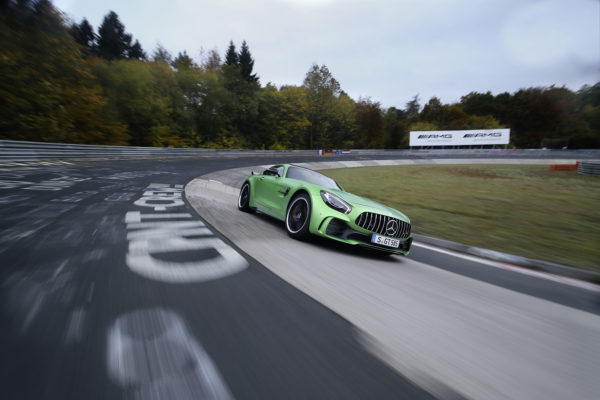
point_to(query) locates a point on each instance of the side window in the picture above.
(274, 171)
(294, 173)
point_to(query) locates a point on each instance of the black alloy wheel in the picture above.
(244, 198)
(297, 220)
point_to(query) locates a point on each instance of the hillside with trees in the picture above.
(68, 82)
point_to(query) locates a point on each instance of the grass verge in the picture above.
(527, 210)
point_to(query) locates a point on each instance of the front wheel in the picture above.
(244, 199)
(297, 219)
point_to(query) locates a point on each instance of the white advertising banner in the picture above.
(460, 138)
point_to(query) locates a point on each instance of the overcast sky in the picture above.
(386, 50)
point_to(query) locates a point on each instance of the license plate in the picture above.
(385, 241)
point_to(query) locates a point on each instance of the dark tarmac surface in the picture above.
(112, 287)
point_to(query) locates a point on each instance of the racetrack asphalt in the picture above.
(445, 320)
(81, 319)
(112, 287)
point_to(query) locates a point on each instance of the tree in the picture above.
(231, 57)
(178, 128)
(246, 64)
(113, 42)
(183, 62)
(342, 123)
(483, 122)
(433, 110)
(211, 61)
(282, 117)
(47, 92)
(242, 110)
(450, 117)
(371, 124)
(137, 97)
(162, 55)
(479, 103)
(589, 95)
(242, 105)
(84, 35)
(322, 90)
(544, 113)
(136, 52)
(413, 107)
(319, 80)
(423, 126)
(213, 116)
(396, 128)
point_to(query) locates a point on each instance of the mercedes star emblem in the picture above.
(391, 227)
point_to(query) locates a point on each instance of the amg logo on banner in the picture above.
(476, 137)
(445, 136)
(482, 135)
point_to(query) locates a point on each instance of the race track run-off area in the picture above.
(142, 279)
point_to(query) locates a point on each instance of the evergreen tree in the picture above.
(51, 95)
(183, 62)
(413, 107)
(231, 57)
(84, 35)
(113, 42)
(136, 52)
(243, 109)
(162, 55)
(395, 128)
(246, 63)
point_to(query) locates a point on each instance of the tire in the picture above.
(244, 198)
(297, 217)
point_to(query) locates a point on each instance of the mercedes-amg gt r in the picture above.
(312, 203)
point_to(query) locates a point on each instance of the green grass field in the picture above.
(527, 210)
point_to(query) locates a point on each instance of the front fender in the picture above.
(252, 181)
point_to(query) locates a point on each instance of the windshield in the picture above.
(308, 175)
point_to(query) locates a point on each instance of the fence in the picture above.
(12, 151)
(18, 151)
(589, 168)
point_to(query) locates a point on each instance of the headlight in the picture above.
(335, 202)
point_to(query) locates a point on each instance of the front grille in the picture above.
(340, 229)
(378, 223)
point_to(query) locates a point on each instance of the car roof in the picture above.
(298, 166)
(290, 165)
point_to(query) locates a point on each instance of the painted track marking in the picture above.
(514, 268)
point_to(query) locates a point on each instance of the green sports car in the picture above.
(312, 203)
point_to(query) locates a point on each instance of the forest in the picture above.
(63, 81)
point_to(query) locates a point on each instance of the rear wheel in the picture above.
(297, 219)
(244, 199)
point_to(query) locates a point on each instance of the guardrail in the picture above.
(16, 151)
(20, 151)
(589, 168)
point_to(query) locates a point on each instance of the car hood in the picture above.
(353, 199)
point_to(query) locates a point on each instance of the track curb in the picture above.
(493, 255)
(530, 263)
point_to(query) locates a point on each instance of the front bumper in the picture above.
(340, 230)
